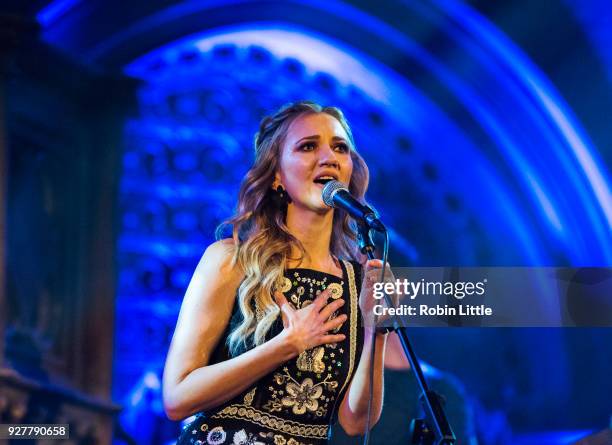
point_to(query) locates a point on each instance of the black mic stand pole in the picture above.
(421, 429)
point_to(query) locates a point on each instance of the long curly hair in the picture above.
(263, 243)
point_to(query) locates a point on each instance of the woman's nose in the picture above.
(327, 156)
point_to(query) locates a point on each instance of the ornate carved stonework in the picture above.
(27, 401)
(60, 151)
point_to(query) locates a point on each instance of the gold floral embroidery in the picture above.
(216, 436)
(243, 438)
(273, 406)
(335, 290)
(311, 360)
(302, 397)
(280, 440)
(285, 285)
(241, 412)
(248, 399)
(307, 281)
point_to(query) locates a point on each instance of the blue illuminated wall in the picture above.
(447, 198)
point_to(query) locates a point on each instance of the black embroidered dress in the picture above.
(295, 403)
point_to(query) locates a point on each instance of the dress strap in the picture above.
(353, 319)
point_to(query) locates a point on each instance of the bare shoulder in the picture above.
(222, 250)
(215, 280)
(224, 246)
(218, 259)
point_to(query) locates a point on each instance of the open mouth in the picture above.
(324, 179)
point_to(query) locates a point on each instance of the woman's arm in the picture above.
(353, 411)
(189, 385)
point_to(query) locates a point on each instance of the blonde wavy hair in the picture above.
(262, 241)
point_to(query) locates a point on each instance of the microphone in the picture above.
(336, 195)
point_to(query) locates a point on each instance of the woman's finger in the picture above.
(321, 299)
(332, 338)
(331, 308)
(373, 264)
(334, 323)
(373, 270)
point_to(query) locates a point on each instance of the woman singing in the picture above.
(270, 345)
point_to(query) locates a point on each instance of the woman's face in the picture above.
(315, 148)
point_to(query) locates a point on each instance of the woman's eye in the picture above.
(342, 148)
(309, 146)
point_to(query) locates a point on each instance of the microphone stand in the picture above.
(434, 428)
